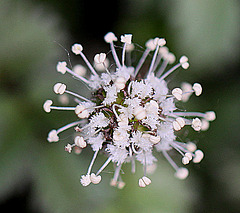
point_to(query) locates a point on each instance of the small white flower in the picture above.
(111, 94)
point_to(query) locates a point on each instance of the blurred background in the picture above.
(38, 177)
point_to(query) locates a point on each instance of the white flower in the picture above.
(99, 120)
(96, 142)
(131, 115)
(111, 94)
(117, 155)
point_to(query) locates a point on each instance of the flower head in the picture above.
(128, 117)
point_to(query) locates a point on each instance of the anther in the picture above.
(79, 141)
(53, 136)
(197, 89)
(95, 179)
(177, 93)
(81, 111)
(62, 67)
(100, 58)
(178, 124)
(110, 37)
(77, 49)
(196, 124)
(47, 105)
(181, 173)
(59, 88)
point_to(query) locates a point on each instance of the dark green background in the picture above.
(36, 176)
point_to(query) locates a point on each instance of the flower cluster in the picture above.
(129, 118)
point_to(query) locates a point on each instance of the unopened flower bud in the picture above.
(154, 139)
(120, 83)
(139, 113)
(81, 111)
(183, 59)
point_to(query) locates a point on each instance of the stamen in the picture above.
(92, 162)
(68, 126)
(115, 57)
(114, 111)
(117, 172)
(62, 108)
(141, 61)
(162, 68)
(153, 60)
(77, 96)
(104, 166)
(170, 71)
(170, 160)
(77, 76)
